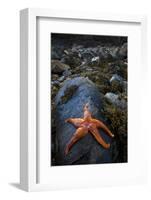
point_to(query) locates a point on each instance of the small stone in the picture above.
(95, 59)
(123, 51)
(72, 60)
(104, 53)
(67, 73)
(54, 77)
(89, 69)
(61, 78)
(116, 77)
(87, 55)
(57, 67)
(114, 52)
(83, 63)
(116, 82)
(55, 83)
(79, 54)
(113, 98)
(56, 52)
(66, 52)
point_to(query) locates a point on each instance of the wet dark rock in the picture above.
(57, 67)
(67, 73)
(87, 53)
(125, 86)
(114, 52)
(117, 78)
(56, 52)
(55, 83)
(95, 60)
(104, 53)
(54, 90)
(77, 48)
(89, 69)
(54, 77)
(66, 52)
(123, 51)
(71, 60)
(114, 99)
(116, 82)
(69, 101)
(61, 78)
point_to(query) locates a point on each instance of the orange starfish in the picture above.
(85, 125)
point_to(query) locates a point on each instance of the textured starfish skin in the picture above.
(84, 126)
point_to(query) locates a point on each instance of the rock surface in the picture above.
(114, 99)
(117, 78)
(123, 51)
(57, 67)
(70, 100)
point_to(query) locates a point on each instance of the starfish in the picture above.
(84, 126)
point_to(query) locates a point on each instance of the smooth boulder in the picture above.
(70, 101)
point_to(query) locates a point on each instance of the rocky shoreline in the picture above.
(102, 60)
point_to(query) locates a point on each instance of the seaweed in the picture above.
(117, 122)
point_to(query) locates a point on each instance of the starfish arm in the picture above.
(100, 124)
(98, 137)
(80, 132)
(75, 121)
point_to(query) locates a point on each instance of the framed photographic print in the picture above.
(81, 88)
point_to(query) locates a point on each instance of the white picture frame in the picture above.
(29, 148)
